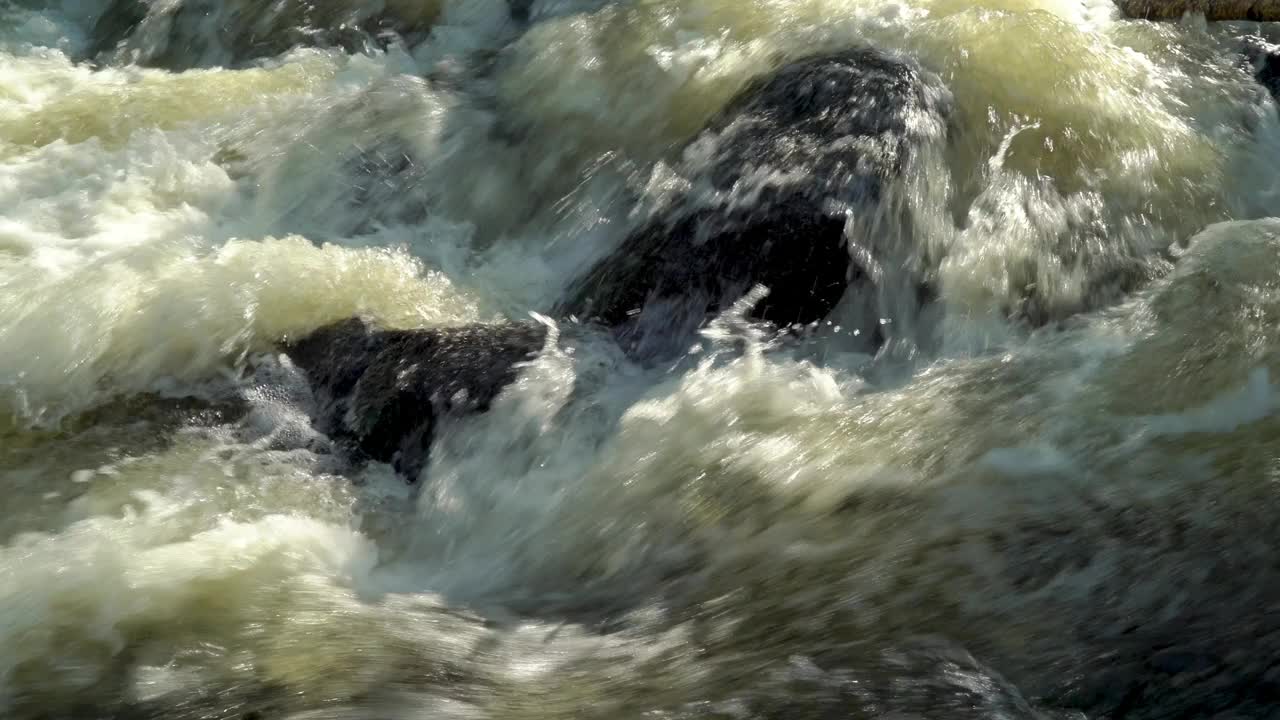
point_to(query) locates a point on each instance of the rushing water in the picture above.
(980, 521)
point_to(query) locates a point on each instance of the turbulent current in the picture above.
(1028, 466)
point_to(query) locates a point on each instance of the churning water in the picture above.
(978, 520)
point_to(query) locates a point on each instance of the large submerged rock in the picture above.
(785, 187)
(386, 391)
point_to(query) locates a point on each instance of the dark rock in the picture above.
(385, 391)
(1262, 59)
(1268, 73)
(115, 24)
(775, 184)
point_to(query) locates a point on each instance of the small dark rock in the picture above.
(1263, 60)
(1268, 73)
(385, 391)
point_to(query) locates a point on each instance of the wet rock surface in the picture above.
(114, 25)
(790, 182)
(1268, 71)
(384, 392)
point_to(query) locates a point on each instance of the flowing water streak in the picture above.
(766, 529)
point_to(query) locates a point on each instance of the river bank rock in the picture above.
(183, 34)
(799, 167)
(384, 392)
(206, 33)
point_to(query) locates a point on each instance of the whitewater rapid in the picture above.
(1052, 496)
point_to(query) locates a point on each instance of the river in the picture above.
(1052, 498)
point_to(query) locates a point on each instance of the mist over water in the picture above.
(1050, 493)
